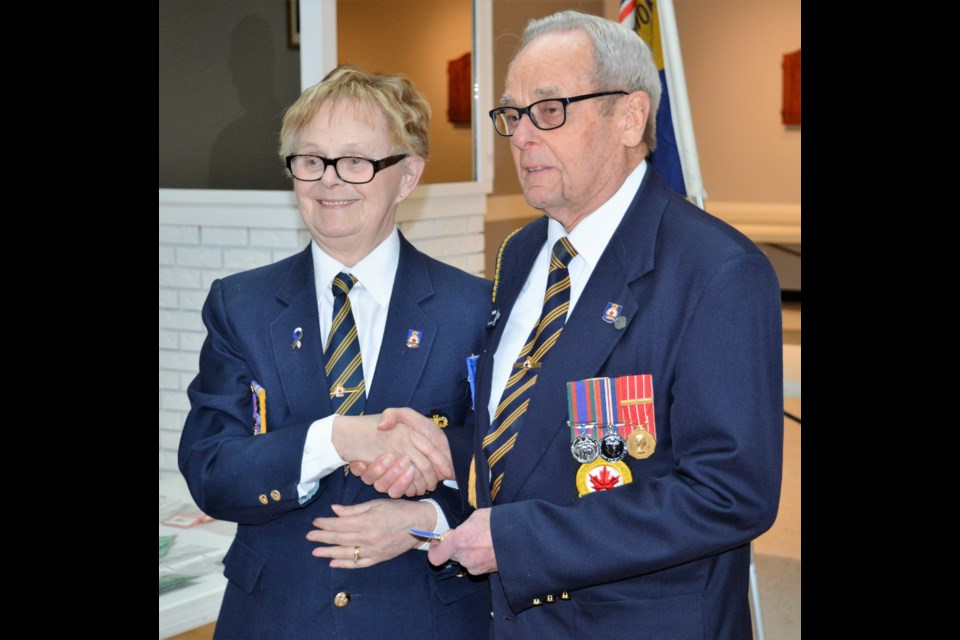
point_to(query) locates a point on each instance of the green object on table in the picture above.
(165, 543)
(172, 581)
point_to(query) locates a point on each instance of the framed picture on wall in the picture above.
(458, 92)
(293, 23)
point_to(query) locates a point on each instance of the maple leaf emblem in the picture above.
(604, 480)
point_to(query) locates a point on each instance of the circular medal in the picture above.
(585, 448)
(613, 447)
(641, 444)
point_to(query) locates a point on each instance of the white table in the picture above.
(198, 604)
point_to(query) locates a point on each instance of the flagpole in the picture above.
(680, 102)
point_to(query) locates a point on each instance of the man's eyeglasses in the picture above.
(544, 114)
(350, 169)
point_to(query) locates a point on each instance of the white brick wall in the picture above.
(205, 235)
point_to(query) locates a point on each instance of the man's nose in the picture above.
(524, 132)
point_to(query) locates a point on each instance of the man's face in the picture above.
(567, 172)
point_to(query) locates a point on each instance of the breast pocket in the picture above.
(445, 403)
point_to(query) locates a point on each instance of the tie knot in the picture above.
(343, 283)
(563, 253)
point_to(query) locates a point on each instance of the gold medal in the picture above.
(641, 443)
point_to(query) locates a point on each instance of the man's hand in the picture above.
(470, 544)
(420, 461)
(376, 529)
(391, 475)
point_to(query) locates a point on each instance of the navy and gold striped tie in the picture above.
(344, 366)
(516, 395)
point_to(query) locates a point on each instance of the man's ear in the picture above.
(634, 120)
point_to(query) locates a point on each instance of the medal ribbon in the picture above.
(635, 402)
(593, 400)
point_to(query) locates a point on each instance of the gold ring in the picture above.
(356, 554)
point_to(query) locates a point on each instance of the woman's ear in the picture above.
(412, 168)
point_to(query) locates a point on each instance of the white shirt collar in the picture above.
(592, 235)
(375, 272)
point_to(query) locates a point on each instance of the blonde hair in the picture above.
(405, 109)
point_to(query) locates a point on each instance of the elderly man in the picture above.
(629, 398)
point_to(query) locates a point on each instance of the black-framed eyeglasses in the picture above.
(544, 114)
(310, 168)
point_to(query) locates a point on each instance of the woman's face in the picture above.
(349, 220)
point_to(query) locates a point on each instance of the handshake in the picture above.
(399, 452)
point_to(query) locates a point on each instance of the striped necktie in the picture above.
(516, 395)
(344, 366)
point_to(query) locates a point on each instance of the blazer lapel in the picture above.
(301, 368)
(507, 289)
(400, 367)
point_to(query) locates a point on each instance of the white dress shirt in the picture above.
(590, 238)
(369, 303)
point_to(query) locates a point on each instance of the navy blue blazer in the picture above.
(276, 588)
(667, 555)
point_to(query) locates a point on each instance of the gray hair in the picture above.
(621, 59)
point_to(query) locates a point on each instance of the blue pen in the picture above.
(426, 534)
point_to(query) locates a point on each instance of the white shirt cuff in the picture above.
(442, 525)
(320, 457)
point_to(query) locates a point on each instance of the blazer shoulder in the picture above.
(268, 279)
(521, 240)
(452, 281)
(701, 233)
(517, 245)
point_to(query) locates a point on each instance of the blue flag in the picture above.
(666, 159)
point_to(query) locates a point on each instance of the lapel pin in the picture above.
(620, 323)
(297, 334)
(494, 316)
(441, 419)
(612, 312)
(413, 339)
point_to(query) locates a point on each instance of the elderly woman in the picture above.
(357, 322)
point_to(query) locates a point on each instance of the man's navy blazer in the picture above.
(667, 555)
(276, 588)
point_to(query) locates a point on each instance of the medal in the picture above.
(601, 475)
(592, 405)
(612, 446)
(635, 408)
(585, 448)
(641, 444)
